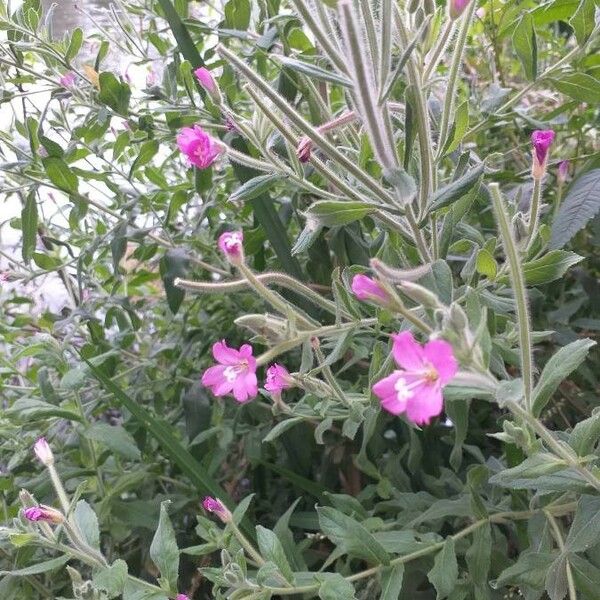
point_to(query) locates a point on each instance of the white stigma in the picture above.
(230, 374)
(403, 391)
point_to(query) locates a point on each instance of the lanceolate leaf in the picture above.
(525, 45)
(164, 551)
(456, 190)
(444, 574)
(580, 204)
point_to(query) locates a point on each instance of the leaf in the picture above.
(486, 264)
(115, 438)
(530, 569)
(585, 435)
(114, 93)
(583, 21)
(87, 524)
(39, 567)
(479, 555)
(456, 190)
(352, 537)
(391, 582)
(459, 128)
(112, 579)
(556, 579)
(579, 86)
(549, 267)
(185, 43)
(281, 428)
(335, 587)
(312, 71)
(524, 42)
(254, 187)
(444, 574)
(586, 575)
(60, 174)
(74, 44)
(29, 225)
(581, 203)
(164, 551)
(331, 213)
(585, 530)
(31, 409)
(557, 369)
(271, 549)
(172, 265)
(147, 152)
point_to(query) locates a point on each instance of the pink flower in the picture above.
(541, 140)
(215, 506)
(43, 513)
(563, 171)
(151, 78)
(416, 388)
(67, 80)
(457, 7)
(182, 597)
(200, 148)
(235, 373)
(278, 379)
(231, 244)
(207, 81)
(365, 288)
(43, 452)
(304, 149)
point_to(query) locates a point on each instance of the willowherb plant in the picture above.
(393, 345)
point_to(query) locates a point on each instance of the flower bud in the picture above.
(420, 294)
(44, 452)
(541, 141)
(365, 288)
(45, 514)
(457, 8)
(207, 81)
(563, 171)
(231, 245)
(304, 149)
(67, 80)
(216, 507)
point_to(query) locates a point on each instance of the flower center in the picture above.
(232, 372)
(403, 391)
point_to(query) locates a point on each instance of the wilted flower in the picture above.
(207, 81)
(43, 513)
(235, 373)
(416, 388)
(215, 506)
(304, 149)
(67, 80)
(457, 8)
(278, 379)
(231, 245)
(563, 171)
(541, 140)
(200, 148)
(365, 288)
(43, 452)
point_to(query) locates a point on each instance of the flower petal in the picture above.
(440, 354)
(426, 403)
(213, 375)
(385, 390)
(224, 354)
(245, 387)
(407, 352)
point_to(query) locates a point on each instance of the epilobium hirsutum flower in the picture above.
(563, 171)
(200, 148)
(416, 388)
(365, 288)
(457, 7)
(67, 80)
(235, 374)
(304, 149)
(43, 513)
(182, 597)
(43, 452)
(278, 379)
(231, 245)
(207, 81)
(215, 506)
(541, 140)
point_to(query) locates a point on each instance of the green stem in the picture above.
(520, 292)
(330, 378)
(245, 543)
(65, 503)
(438, 51)
(534, 212)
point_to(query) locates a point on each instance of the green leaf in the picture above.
(112, 579)
(456, 190)
(525, 44)
(60, 174)
(312, 71)
(115, 438)
(164, 551)
(583, 20)
(486, 264)
(556, 578)
(444, 574)
(531, 468)
(271, 549)
(114, 93)
(352, 537)
(87, 524)
(29, 224)
(580, 204)
(331, 213)
(586, 575)
(458, 130)
(557, 369)
(585, 530)
(32, 408)
(335, 587)
(74, 44)
(254, 187)
(147, 152)
(391, 582)
(479, 555)
(585, 435)
(172, 265)
(530, 569)
(39, 567)
(549, 267)
(579, 86)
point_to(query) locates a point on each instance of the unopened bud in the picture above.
(216, 507)
(45, 514)
(457, 8)
(420, 294)
(207, 81)
(44, 452)
(231, 245)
